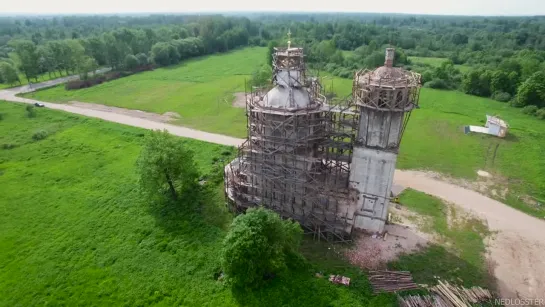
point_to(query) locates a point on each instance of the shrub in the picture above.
(1, 116)
(39, 135)
(427, 76)
(531, 110)
(437, 84)
(259, 244)
(501, 96)
(8, 146)
(540, 113)
(30, 111)
(515, 102)
(345, 73)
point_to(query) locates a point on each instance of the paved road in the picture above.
(517, 252)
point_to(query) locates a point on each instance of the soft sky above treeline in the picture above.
(443, 7)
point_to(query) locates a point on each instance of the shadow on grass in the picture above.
(456, 113)
(185, 217)
(510, 137)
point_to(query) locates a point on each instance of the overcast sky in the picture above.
(443, 7)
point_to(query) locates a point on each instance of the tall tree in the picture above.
(28, 58)
(8, 73)
(532, 91)
(166, 167)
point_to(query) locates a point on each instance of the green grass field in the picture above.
(435, 62)
(75, 231)
(200, 90)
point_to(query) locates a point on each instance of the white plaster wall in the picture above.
(372, 174)
(380, 129)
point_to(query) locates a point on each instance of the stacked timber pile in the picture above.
(421, 301)
(391, 281)
(460, 296)
(447, 295)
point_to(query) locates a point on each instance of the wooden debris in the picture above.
(338, 279)
(422, 301)
(458, 296)
(391, 281)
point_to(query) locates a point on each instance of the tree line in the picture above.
(123, 48)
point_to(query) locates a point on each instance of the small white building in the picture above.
(494, 126)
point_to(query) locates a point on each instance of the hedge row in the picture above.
(109, 76)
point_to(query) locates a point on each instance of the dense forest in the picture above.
(505, 54)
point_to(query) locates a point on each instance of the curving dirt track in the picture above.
(517, 247)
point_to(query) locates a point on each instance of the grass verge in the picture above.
(459, 252)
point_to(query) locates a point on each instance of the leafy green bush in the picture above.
(540, 113)
(427, 76)
(260, 77)
(39, 135)
(8, 146)
(532, 91)
(437, 84)
(501, 96)
(1, 116)
(531, 110)
(259, 245)
(30, 112)
(346, 73)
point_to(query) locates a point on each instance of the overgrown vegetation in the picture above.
(39, 135)
(259, 246)
(30, 112)
(459, 255)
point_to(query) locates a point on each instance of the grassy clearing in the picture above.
(460, 257)
(200, 90)
(434, 140)
(75, 230)
(435, 62)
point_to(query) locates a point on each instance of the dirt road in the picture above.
(517, 250)
(124, 118)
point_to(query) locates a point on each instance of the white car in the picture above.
(39, 104)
